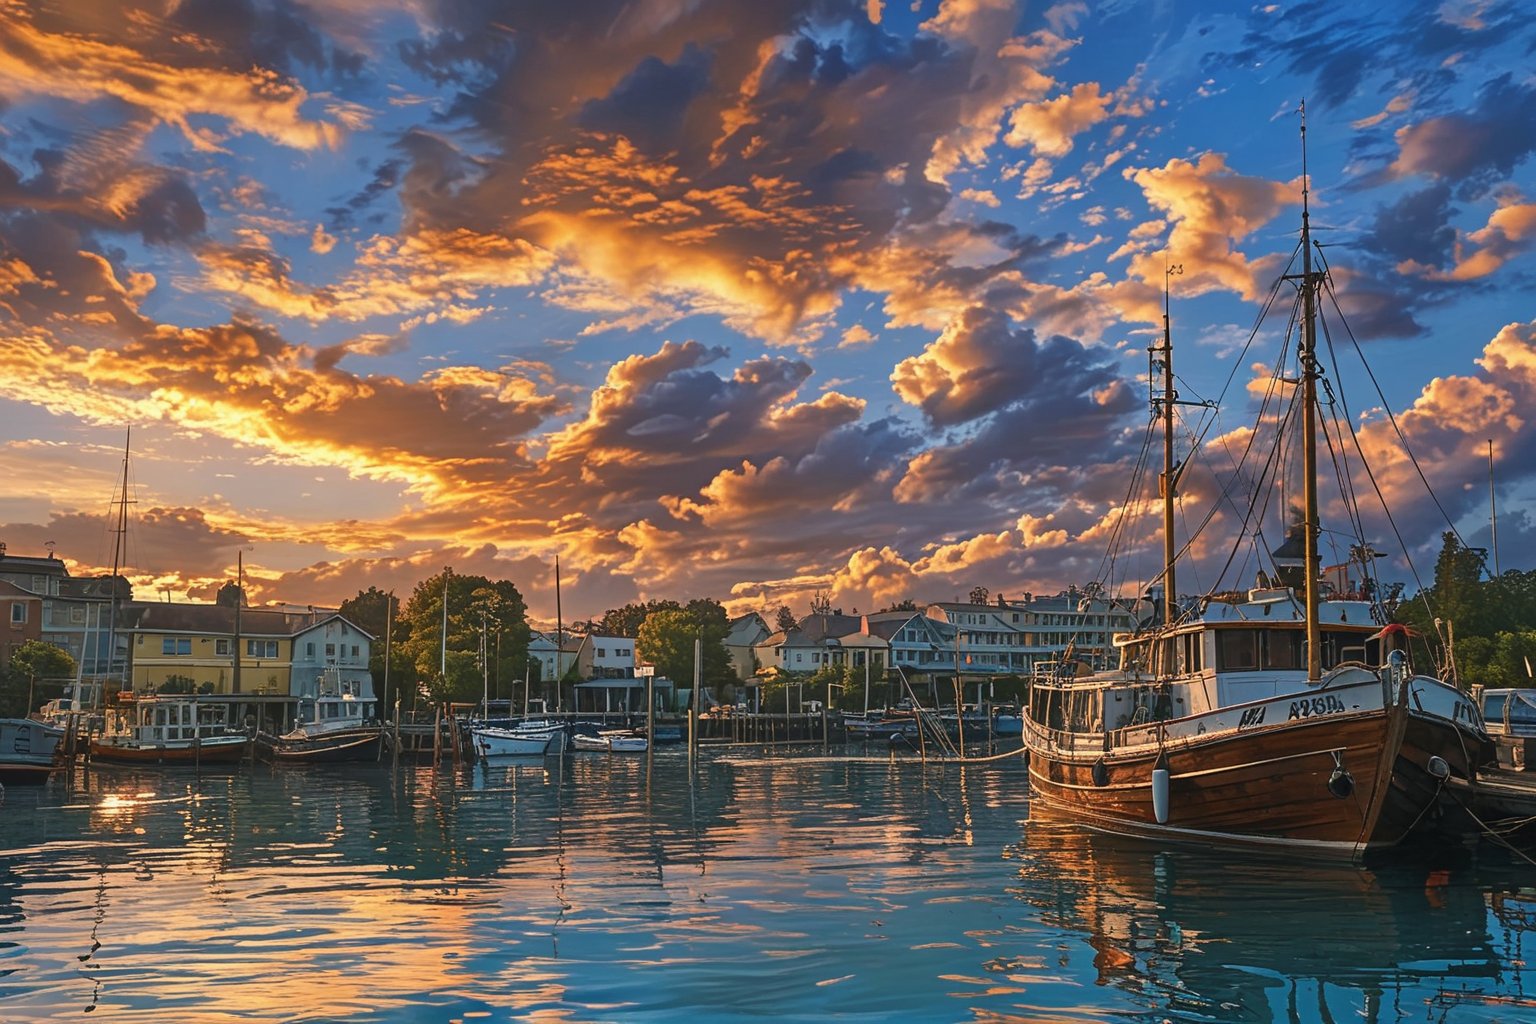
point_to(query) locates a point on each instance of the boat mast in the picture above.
(1311, 528)
(1493, 510)
(559, 630)
(1167, 402)
(239, 600)
(121, 532)
(442, 657)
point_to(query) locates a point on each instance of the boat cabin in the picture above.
(158, 721)
(1510, 715)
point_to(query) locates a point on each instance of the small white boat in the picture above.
(29, 751)
(525, 739)
(625, 742)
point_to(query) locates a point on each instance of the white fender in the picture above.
(1160, 795)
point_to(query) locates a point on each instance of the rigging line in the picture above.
(1107, 561)
(1265, 473)
(1391, 417)
(1346, 417)
(1275, 377)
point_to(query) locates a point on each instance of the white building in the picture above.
(331, 656)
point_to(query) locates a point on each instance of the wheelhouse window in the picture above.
(1283, 648)
(1237, 649)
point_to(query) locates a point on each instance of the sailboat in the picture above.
(1280, 717)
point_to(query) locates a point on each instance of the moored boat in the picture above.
(30, 751)
(168, 730)
(1284, 716)
(524, 739)
(334, 728)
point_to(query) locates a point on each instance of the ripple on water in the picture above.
(751, 887)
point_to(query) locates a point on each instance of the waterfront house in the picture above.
(745, 633)
(920, 647)
(21, 616)
(331, 653)
(543, 655)
(194, 646)
(605, 657)
(75, 613)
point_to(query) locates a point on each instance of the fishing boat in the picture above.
(30, 751)
(333, 728)
(523, 739)
(1284, 716)
(168, 730)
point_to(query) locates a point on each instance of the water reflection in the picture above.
(770, 886)
(1206, 937)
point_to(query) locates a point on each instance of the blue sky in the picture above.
(747, 301)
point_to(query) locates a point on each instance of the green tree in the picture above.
(33, 661)
(626, 621)
(1485, 620)
(369, 610)
(666, 639)
(474, 603)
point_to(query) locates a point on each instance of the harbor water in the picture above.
(754, 885)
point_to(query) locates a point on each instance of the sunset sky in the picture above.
(744, 300)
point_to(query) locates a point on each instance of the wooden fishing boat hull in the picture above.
(349, 746)
(1274, 784)
(222, 750)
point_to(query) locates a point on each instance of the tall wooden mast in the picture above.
(119, 542)
(1170, 469)
(1311, 527)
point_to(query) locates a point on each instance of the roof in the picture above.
(166, 617)
(12, 591)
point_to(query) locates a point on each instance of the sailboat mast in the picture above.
(121, 532)
(442, 657)
(1170, 586)
(1493, 509)
(559, 631)
(239, 600)
(1311, 527)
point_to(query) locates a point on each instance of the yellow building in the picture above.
(203, 649)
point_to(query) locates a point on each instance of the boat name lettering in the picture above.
(1309, 706)
(1255, 716)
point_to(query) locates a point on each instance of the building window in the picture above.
(18, 614)
(76, 614)
(354, 651)
(309, 649)
(330, 650)
(261, 648)
(221, 647)
(602, 652)
(176, 645)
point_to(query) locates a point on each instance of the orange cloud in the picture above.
(73, 66)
